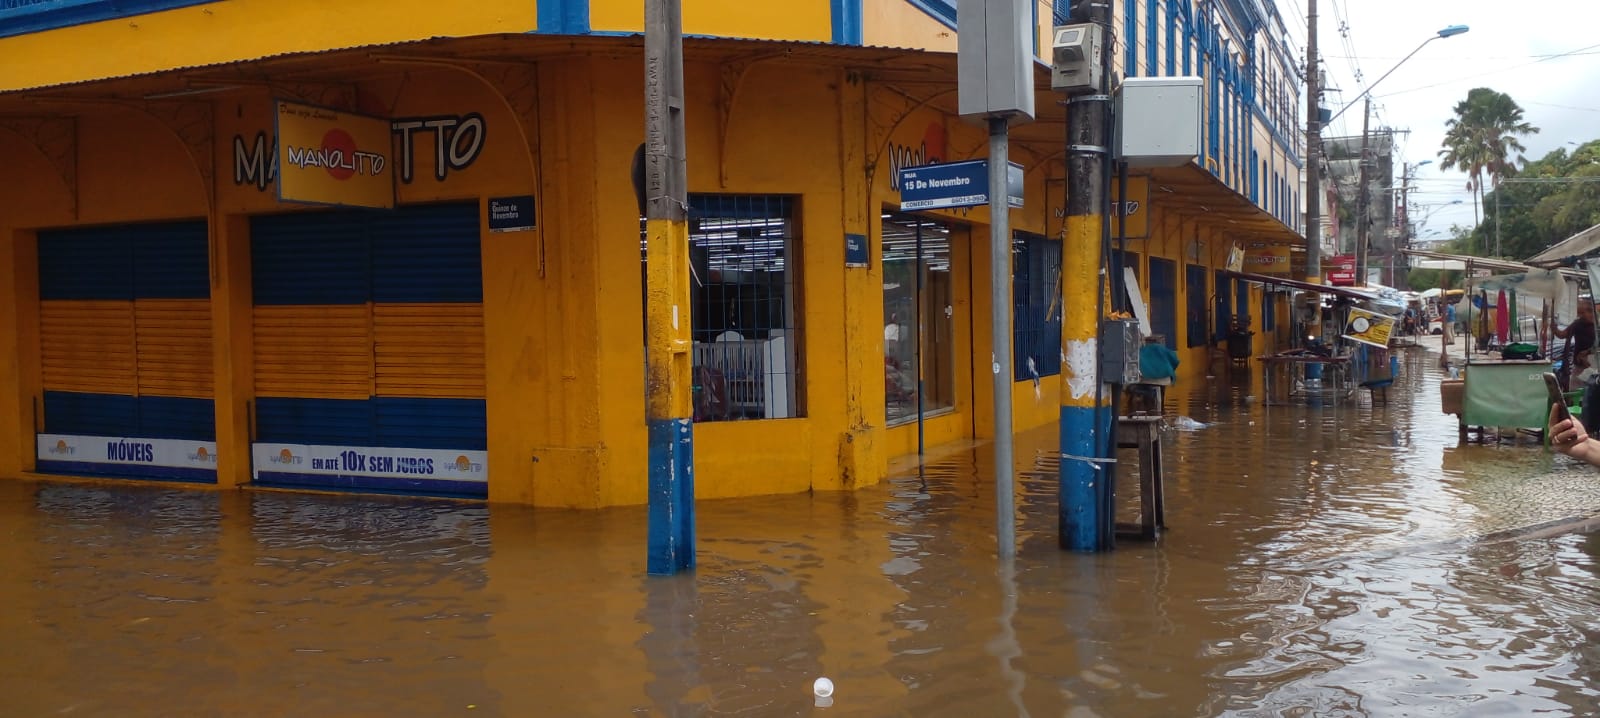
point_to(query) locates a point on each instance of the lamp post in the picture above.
(1451, 31)
(1362, 203)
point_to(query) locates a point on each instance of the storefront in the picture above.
(125, 352)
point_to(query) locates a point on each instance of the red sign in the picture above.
(1342, 270)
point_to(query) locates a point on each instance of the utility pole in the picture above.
(667, 353)
(1363, 205)
(1313, 151)
(1083, 479)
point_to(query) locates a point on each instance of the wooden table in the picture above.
(1144, 433)
(1283, 369)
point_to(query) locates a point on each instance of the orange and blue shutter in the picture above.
(369, 350)
(125, 352)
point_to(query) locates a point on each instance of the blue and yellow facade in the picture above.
(157, 292)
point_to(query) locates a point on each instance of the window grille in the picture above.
(1195, 287)
(744, 306)
(1036, 317)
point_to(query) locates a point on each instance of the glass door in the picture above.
(919, 318)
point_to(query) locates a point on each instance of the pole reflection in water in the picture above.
(1335, 561)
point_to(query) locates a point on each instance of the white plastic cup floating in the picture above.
(822, 688)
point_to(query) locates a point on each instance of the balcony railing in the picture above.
(20, 17)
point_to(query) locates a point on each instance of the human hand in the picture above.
(1568, 436)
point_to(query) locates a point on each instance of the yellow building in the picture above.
(175, 305)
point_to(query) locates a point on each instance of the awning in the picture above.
(1461, 262)
(1578, 245)
(1346, 292)
(1194, 193)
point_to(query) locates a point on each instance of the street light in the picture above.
(1451, 31)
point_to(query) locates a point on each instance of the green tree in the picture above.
(1483, 139)
(1551, 199)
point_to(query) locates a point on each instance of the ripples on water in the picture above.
(1321, 562)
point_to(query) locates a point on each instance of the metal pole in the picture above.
(1497, 218)
(1313, 158)
(1088, 138)
(1363, 205)
(667, 352)
(1000, 306)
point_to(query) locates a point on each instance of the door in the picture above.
(1164, 300)
(125, 352)
(369, 350)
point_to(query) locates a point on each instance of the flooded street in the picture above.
(1320, 562)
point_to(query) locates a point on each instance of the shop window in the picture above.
(744, 306)
(1036, 317)
(1195, 288)
(918, 313)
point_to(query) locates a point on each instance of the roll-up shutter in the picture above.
(369, 350)
(125, 352)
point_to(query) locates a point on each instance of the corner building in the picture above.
(165, 316)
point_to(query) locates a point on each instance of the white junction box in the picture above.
(1159, 120)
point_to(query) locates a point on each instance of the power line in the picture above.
(1579, 51)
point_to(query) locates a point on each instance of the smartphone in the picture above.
(1557, 396)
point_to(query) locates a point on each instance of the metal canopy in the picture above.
(1578, 245)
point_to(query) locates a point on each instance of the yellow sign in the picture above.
(331, 157)
(1368, 327)
(1269, 260)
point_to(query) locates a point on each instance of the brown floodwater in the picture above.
(1320, 562)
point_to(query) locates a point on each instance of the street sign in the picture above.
(955, 184)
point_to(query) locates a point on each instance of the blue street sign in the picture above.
(855, 250)
(955, 184)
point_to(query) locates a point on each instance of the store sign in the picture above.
(512, 214)
(955, 184)
(157, 458)
(331, 157)
(454, 142)
(1342, 270)
(370, 463)
(1368, 327)
(1268, 260)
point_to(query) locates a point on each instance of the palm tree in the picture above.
(1482, 139)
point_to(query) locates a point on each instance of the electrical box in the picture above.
(1075, 58)
(1119, 351)
(1159, 120)
(994, 58)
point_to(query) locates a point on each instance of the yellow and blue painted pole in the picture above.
(1083, 482)
(668, 356)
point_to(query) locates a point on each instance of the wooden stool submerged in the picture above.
(1144, 433)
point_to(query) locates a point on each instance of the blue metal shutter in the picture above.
(126, 331)
(1164, 299)
(427, 293)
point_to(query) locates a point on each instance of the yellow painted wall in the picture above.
(897, 23)
(807, 21)
(242, 29)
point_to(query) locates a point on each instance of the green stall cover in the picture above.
(1509, 395)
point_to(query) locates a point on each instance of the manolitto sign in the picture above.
(333, 158)
(1268, 260)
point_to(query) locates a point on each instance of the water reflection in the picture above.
(1337, 561)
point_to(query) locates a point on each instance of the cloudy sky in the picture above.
(1544, 53)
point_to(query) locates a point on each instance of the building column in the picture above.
(861, 457)
(232, 347)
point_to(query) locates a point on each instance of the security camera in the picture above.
(1075, 58)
